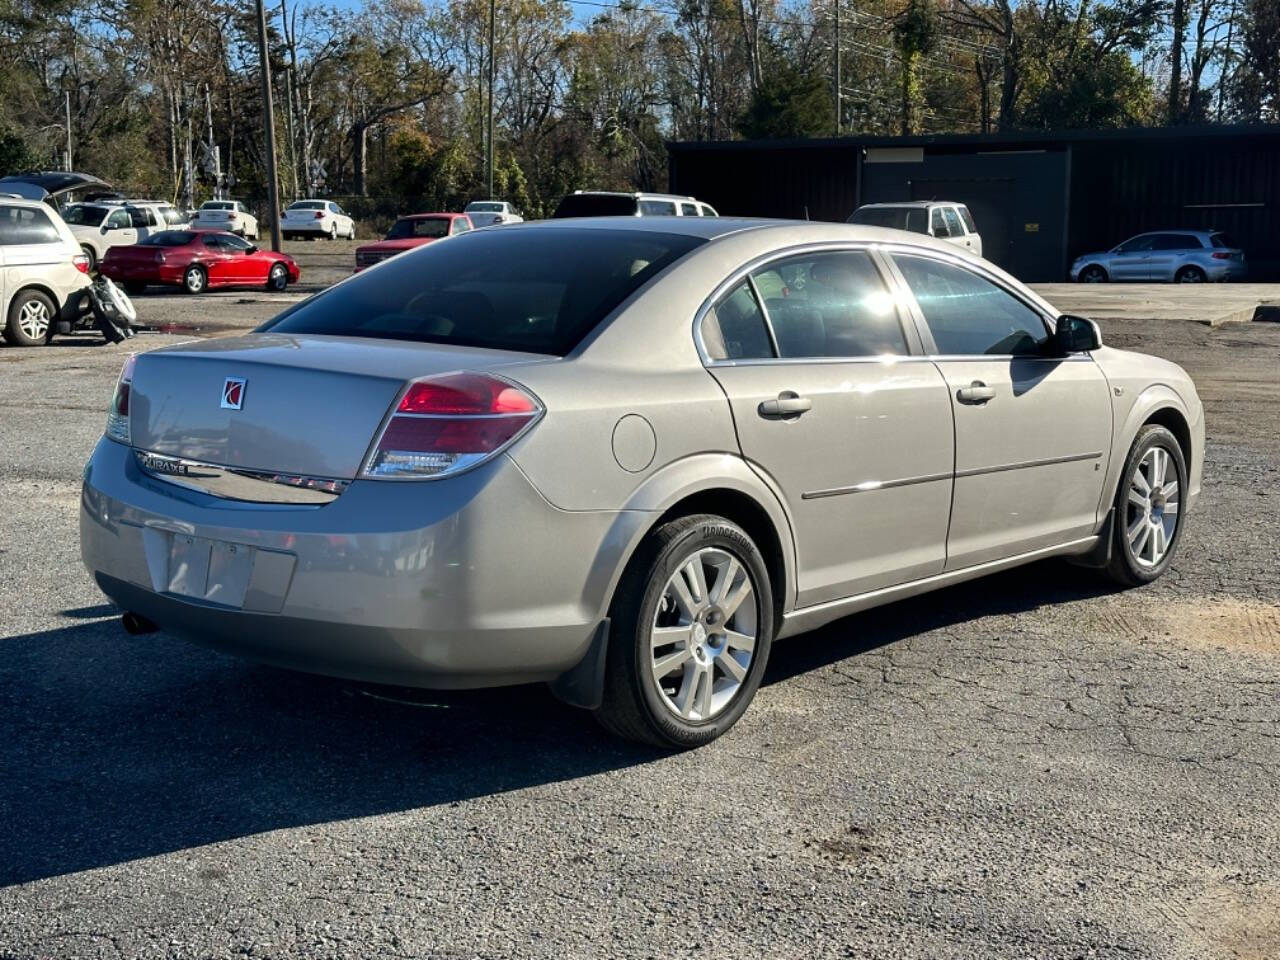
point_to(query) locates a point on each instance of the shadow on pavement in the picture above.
(115, 747)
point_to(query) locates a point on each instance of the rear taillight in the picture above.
(118, 415)
(231, 216)
(319, 214)
(1222, 256)
(444, 425)
(81, 262)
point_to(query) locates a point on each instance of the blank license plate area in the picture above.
(209, 570)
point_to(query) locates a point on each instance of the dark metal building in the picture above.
(1040, 199)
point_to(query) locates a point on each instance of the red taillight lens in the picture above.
(118, 415)
(444, 425)
(231, 216)
(81, 262)
(319, 214)
(1222, 256)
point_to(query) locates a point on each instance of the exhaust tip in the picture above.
(135, 624)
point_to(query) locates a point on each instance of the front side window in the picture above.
(969, 315)
(937, 225)
(23, 225)
(830, 305)
(540, 291)
(119, 220)
(953, 221)
(1140, 244)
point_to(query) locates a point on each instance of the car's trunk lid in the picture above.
(307, 405)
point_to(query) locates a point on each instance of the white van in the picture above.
(43, 272)
(943, 219)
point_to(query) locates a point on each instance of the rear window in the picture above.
(482, 207)
(308, 205)
(539, 291)
(84, 214)
(895, 218)
(596, 205)
(407, 228)
(168, 238)
(1223, 240)
(216, 205)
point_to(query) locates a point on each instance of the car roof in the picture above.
(917, 204)
(430, 216)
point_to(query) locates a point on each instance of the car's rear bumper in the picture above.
(471, 581)
(318, 227)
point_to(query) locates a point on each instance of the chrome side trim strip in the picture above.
(868, 485)
(1027, 464)
(236, 483)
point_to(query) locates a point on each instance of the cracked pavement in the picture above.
(1027, 766)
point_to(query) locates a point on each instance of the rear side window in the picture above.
(84, 214)
(141, 217)
(22, 225)
(461, 225)
(168, 238)
(830, 305)
(967, 217)
(689, 209)
(172, 216)
(539, 290)
(709, 211)
(735, 329)
(657, 208)
(969, 315)
(1223, 240)
(914, 219)
(1176, 241)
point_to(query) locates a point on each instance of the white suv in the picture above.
(100, 225)
(606, 203)
(485, 213)
(43, 272)
(230, 215)
(943, 219)
(317, 218)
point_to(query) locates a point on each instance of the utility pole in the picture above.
(68, 104)
(839, 92)
(269, 122)
(492, 42)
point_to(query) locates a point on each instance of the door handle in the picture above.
(976, 393)
(788, 406)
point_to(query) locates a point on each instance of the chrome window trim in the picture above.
(891, 285)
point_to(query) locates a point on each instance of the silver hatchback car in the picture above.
(1171, 256)
(623, 456)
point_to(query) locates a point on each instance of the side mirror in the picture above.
(1075, 335)
(251, 249)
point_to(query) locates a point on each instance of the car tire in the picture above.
(1093, 274)
(1145, 531)
(698, 698)
(134, 288)
(333, 231)
(1190, 275)
(278, 277)
(195, 280)
(93, 257)
(31, 319)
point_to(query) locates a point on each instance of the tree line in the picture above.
(387, 102)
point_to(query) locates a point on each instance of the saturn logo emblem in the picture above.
(233, 393)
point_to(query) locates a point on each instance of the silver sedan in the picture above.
(623, 456)
(1170, 256)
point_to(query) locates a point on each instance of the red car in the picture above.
(197, 261)
(412, 231)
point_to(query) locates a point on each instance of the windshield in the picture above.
(484, 207)
(895, 218)
(168, 238)
(84, 214)
(407, 228)
(539, 290)
(596, 205)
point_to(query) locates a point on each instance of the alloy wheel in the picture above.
(1151, 519)
(33, 319)
(703, 636)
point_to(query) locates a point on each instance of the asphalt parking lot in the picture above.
(1028, 766)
